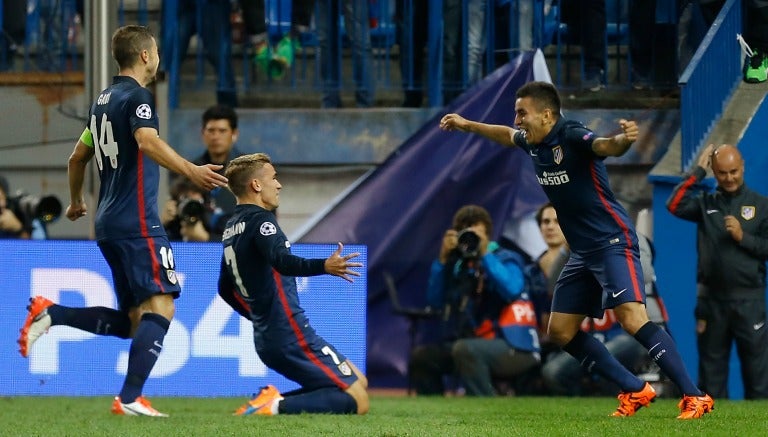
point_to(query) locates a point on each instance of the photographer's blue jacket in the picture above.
(490, 297)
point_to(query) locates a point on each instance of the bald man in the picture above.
(732, 246)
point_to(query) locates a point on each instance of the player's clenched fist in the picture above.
(453, 122)
(630, 129)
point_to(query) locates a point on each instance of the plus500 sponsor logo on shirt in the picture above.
(208, 350)
(553, 178)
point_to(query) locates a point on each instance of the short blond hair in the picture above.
(242, 170)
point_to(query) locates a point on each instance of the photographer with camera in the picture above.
(11, 226)
(186, 215)
(25, 215)
(488, 321)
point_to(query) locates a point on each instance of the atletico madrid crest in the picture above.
(558, 154)
(747, 212)
(171, 276)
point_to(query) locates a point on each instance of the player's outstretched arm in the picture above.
(76, 166)
(204, 176)
(494, 132)
(340, 266)
(619, 144)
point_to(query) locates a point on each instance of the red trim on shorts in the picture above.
(624, 228)
(300, 336)
(143, 221)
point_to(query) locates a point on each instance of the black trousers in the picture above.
(719, 324)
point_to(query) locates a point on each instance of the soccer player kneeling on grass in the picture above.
(258, 280)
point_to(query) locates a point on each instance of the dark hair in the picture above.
(220, 112)
(242, 170)
(182, 186)
(128, 42)
(469, 215)
(540, 212)
(543, 94)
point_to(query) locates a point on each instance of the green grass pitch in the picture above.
(389, 416)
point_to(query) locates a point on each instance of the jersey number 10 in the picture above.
(104, 141)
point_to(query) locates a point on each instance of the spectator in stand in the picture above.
(14, 19)
(275, 60)
(588, 20)
(455, 78)
(412, 40)
(356, 24)
(216, 36)
(755, 13)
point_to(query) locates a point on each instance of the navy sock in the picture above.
(324, 400)
(145, 349)
(664, 352)
(98, 320)
(594, 357)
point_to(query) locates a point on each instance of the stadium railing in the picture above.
(51, 43)
(709, 80)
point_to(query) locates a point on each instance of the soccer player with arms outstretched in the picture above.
(258, 279)
(604, 268)
(122, 134)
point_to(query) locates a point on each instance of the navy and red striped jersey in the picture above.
(258, 276)
(129, 179)
(576, 181)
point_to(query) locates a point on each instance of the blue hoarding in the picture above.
(208, 350)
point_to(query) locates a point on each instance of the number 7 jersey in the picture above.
(129, 179)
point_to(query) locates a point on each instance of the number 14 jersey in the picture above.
(129, 179)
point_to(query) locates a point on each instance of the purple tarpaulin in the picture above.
(401, 210)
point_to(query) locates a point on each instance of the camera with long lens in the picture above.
(468, 244)
(192, 211)
(29, 207)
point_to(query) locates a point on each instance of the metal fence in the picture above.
(709, 80)
(52, 43)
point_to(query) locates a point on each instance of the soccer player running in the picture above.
(604, 268)
(258, 280)
(122, 134)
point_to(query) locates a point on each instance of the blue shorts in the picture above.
(141, 268)
(312, 363)
(603, 279)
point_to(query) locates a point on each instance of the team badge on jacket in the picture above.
(345, 369)
(747, 212)
(558, 154)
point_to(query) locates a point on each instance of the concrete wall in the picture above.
(319, 153)
(40, 125)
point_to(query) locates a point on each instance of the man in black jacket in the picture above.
(732, 247)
